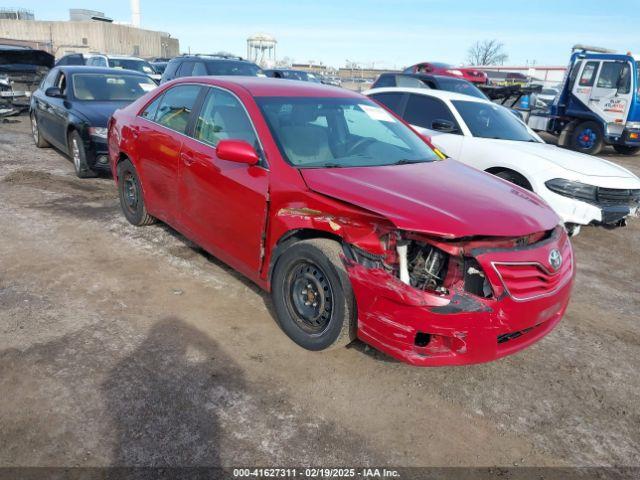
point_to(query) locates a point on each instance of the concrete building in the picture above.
(92, 32)
(261, 49)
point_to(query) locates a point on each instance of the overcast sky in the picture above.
(389, 33)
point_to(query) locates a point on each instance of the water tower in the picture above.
(261, 49)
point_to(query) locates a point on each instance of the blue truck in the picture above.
(598, 103)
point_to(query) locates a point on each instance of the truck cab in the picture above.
(597, 104)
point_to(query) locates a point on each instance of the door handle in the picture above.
(187, 158)
(134, 133)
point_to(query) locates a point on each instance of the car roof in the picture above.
(271, 87)
(67, 69)
(442, 94)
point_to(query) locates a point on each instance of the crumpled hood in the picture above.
(444, 198)
(568, 159)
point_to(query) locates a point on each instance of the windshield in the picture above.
(230, 67)
(548, 91)
(487, 120)
(132, 64)
(460, 86)
(340, 132)
(103, 87)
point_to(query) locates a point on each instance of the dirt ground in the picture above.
(130, 346)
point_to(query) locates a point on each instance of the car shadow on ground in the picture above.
(163, 398)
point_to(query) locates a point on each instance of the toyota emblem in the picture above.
(555, 259)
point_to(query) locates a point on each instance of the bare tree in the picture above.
(487, 52)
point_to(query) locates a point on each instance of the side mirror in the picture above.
(53, 92)
(445, 126)
(237, 151)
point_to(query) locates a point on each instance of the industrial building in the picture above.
(86, 31)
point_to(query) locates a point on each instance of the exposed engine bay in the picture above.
(21, 71)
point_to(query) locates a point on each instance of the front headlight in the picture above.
(572, 189)
(633, 125)
(99, 132)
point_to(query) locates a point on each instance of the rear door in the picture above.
(223, 204)
(161, 130)
(611, 94)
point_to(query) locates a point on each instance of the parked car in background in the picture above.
(123, 62)
(437, 68)
(291, 74)
(198, 65)
(21, 71)
(71, 108)
(436, 82)
(348, 217)
(159, 66)
(582, 189)
(545, 97)
(71, 59)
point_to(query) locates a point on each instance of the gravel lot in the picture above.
(130, 346)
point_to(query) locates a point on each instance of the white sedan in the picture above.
(582, 189)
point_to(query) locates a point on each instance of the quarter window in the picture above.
(588, 74)
(422, 111)
(176, 106)
(223, 117)
(150, 112)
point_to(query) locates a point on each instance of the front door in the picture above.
(223, 204)
(611, 95)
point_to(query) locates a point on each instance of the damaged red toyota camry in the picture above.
(348, 217)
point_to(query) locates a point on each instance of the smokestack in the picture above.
(135, 13)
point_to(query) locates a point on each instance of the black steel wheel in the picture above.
(312, 295)
(131, 196)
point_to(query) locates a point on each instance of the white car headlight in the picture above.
(633, 125)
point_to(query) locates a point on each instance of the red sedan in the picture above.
(436, 68)
(351, 221)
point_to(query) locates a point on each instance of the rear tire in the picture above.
(35, 131)
(514, 178)
(131, 196)
(312, 295)
(587, 138)
(79, 156)
(624, 150)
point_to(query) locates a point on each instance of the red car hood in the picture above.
(444, 198)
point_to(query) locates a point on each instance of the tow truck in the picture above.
(598, 103)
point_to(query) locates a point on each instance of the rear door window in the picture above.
(391, 100)
(175, 108)
(186, 69)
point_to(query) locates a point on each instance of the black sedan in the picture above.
(72, 106)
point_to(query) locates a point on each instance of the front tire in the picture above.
(587, 138)
(312, 295)
(624, 150)
(79, 156)
(35, 131)
(131, 197)
(514, 178)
